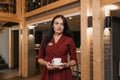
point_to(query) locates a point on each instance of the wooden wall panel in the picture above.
(115, 47)
(9, 17)
(106, 2)
(85, 46)
(98, 45)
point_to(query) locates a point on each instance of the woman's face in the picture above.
(58, 25)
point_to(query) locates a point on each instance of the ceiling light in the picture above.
(111, 7)
(31, 27)
(33, 1)
(70, 17)
(45, 22)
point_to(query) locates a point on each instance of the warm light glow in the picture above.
(89, 14)
(31, 27)
(45, 22)
(106, 32)
(107, 12)
(31, 36)
(90, 32)
(70, 17)
(33, 1)
(21, 36)
(108, 8)
(111, 7)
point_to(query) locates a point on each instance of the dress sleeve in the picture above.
(72, 50)
(41, 50)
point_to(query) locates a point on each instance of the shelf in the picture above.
(7, 6)
(32, 5)
(6, 3)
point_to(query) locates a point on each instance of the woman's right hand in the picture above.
(49, 66)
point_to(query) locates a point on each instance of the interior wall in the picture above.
(4, 45)
(116, 46)
(31, 55)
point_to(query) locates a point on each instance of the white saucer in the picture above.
(57, 64)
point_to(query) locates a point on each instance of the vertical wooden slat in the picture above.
(24, 43)
(24, 51)
(18, 8)
(85, 50)
(20, 50)
(98, 52)
(23, 54)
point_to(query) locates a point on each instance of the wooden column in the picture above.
(20, 49)
(24, 51)
(24, 43)
(85, 49)
(98, 45)
(23, 46)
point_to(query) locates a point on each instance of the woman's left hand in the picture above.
(64, 65)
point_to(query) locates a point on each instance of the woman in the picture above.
(57, 44)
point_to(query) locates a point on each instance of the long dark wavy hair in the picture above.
(50, 34)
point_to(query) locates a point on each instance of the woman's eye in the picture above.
(58, 23)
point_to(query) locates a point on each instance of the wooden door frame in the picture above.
(11, 48)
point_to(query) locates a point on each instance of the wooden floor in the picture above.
(36, 77)
(12, 74)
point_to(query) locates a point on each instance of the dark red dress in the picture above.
(61, 49)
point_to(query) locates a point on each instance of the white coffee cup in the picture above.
(56, 61)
